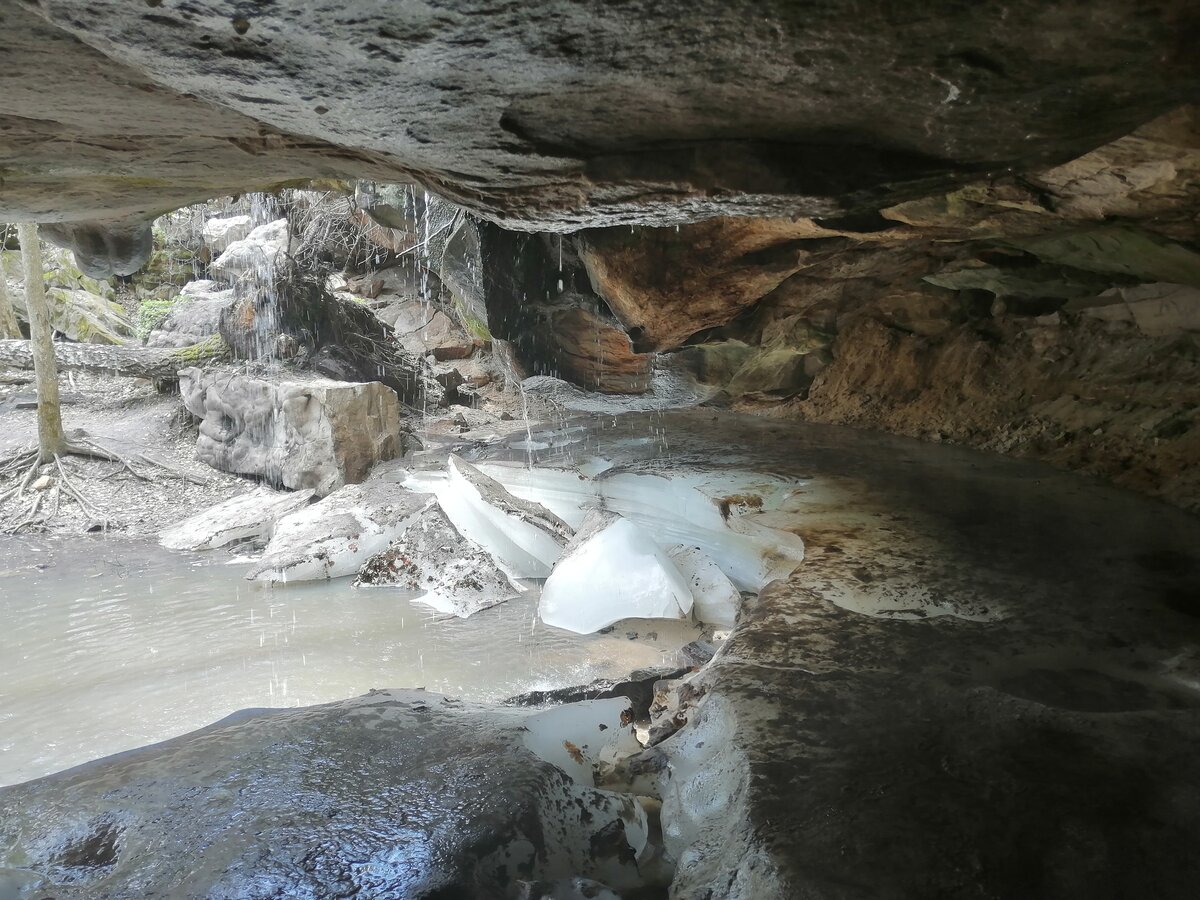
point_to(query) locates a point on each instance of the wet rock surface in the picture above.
(1006, 741)
(394, 794)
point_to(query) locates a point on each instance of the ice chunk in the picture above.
(523, 536)
(455, 575)
(717, 512)
(716, 599)
(612, 570)
(336, 536)
(251, 516)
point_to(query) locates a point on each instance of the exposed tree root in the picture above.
(26, 465)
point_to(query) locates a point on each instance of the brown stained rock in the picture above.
(597, 355)
(1083, 395)
(667, 284)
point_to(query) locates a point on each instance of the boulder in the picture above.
(255, 256)
(86, 317)
(194, 315)
(448, 572)
(289, 428)
(220, 233)
(337, 535)
(250, 517)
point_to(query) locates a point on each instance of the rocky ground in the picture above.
(130, 415)
(980, 682)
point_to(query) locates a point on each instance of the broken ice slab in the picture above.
(716, 600)
(524, 537)
(612, 570)
(335, 536)
(453, 574)
(252, 516)
(715, 511)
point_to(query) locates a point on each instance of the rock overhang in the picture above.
(555, 117)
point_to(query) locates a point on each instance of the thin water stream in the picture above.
(110, 644)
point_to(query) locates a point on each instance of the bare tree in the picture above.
(9, 328)
(51, 441)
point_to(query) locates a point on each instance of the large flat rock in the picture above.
(394, 794)
(982, 682)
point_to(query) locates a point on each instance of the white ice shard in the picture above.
(336, 536)
(716, 601)
(717, 512)
(523, 536)
(453, 575)
(251, 516)
(612, 570)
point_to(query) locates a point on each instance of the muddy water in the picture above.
(110, 644)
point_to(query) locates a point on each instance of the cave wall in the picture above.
(1053, 315)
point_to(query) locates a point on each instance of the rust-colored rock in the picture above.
(667, 284)
(598, 355)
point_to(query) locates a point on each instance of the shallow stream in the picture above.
(109, 644)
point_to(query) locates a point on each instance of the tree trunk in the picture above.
(106, 359)
(41, 340)
(9, 327)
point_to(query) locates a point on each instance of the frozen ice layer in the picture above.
(716, 601)
(716, 512)
(612, 570)
(452, 574)
(523, 536)
(250, 517)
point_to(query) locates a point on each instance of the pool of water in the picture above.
(108, 644)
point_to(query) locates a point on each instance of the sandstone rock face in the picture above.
(299, 432)
(667, 284)
(560, 116)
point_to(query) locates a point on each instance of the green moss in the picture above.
(151, 313)
(472, 324)
(212, 347)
